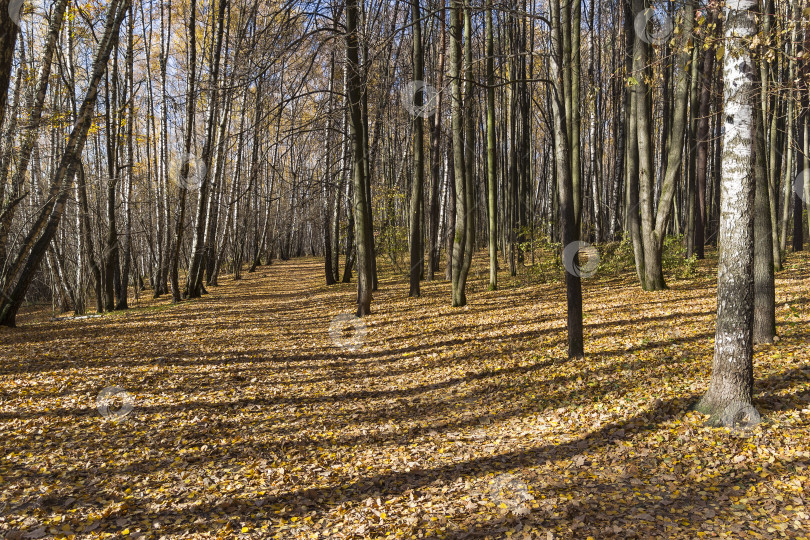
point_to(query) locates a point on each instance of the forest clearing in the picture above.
(248, 420)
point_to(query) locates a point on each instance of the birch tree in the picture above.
(732, 380)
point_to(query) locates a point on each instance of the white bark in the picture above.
(732, 371)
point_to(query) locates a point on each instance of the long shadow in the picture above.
(560, 327)
(602, 503)
(300, 502)
(360, 394)
(255, 364)
(394, 483)
(314, 400)
(297, 503)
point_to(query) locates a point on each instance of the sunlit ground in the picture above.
(249, 421)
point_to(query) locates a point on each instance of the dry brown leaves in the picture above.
(247, 421)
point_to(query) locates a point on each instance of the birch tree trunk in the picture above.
(194, 284)
(130, 163)
(165, 261)
(732, 378)
(31, 131)
(8, 40)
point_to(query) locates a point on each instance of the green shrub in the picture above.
(675, 261)
(617, 257)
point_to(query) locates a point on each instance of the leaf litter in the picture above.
(249, 420)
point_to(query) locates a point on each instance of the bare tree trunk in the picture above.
(112, 120)
(127, 247)
(492, 178)
(5, 165)
(351, 251)
(329, 191)
(702, 158)
(344, 143)
(417, 259)
(565, 187)
(574, 125)
(652, 277)
(211, 248)
(46, 224)
(674, 156)
(85, 231)
(732, 369)
(184, 166)
(365, 251)
(592, 137)
(691, 138)
(459, 244)
(435, 122)
(194, 283)
(789, 132)
(169, 243)
(764, 291)
(654, 223)
(31, 131)
(469, 154)
(450, 203)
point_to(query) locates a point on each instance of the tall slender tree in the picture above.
(492, 176)
(362, 224)
(187, 158)
(462, 232)
(417, 186)
(560, 26)
(732, 381)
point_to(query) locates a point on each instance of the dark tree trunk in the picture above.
(174, 278)
(364, 238)
(435, 122)
(702, 158)
(459, 276)
(194, 283)
(565, 186)
(417, 243)
(126, 249)
(492, 178)
(764, 292)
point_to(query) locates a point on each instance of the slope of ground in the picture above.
(248, 419)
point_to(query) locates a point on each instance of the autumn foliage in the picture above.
(247, 420)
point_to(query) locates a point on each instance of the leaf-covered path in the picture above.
(249, 421)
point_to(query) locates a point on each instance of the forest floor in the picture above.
(248, 420)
